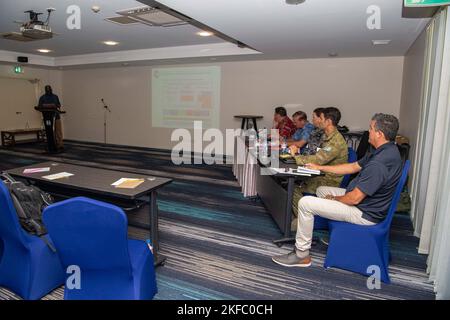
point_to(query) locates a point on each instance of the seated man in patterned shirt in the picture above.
(282, 122)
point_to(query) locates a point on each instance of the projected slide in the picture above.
(181, 96)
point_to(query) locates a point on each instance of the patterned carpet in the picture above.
(218, 243)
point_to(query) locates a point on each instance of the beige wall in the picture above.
(358, 86)
(22, 96)
(411, 91)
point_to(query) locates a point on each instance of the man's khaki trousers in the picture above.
(309, 206)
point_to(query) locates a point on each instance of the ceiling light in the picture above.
(294, 1)
(44, 50)
(380, 42)
(205, 33)
(110, 43)
(333, 54)
(95, 9)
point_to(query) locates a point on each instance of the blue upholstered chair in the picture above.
(28, 267)
(322, 223)
(352, 157)
(355, 248)
(92, 235)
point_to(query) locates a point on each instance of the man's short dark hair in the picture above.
(301, 115)
(318, 111)
(281, 111)
(333, 114)
(386, 123)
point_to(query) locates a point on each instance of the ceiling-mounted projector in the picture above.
(34, 29)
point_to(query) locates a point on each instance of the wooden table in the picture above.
(246, 119)
(9, 136)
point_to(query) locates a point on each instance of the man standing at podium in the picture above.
(50, 98)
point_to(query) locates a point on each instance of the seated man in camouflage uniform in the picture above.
(333, 151)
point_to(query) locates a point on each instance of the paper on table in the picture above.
(58, 176)
(290, 171)
(307, 170)
(35, 170)
(127, 183)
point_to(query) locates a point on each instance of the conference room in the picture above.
(224, 150)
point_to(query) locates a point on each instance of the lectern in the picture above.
(49, 112)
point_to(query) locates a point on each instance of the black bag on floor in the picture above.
(29, 202)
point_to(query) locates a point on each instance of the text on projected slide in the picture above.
(181, 96)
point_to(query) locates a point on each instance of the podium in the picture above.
(49, 113)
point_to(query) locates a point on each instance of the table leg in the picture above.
(254, 125)
(159, 260)
(243, 124)
(288, 214)
(290, 194)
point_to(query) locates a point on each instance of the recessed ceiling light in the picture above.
(380, 42)
(294, 1)
(44, 50)
(205, 33)
(110, 43)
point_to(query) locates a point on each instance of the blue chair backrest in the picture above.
(89, 233)
(401, 183)
(352, 157)
(10, 228)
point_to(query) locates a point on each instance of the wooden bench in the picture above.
(9, 136)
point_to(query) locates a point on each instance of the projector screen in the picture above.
(181, 96)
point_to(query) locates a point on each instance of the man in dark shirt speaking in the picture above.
(50, 98)
(365, 201)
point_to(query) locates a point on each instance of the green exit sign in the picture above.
(18, 69)
(426, 3)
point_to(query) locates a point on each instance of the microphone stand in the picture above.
(105, 118)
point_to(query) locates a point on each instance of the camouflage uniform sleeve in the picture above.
(324, 156)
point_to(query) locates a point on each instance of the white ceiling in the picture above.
(94, 29)
(312, 29)
(309, 30)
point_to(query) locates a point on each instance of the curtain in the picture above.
(431, 174)
(429, 142)
(439, 258)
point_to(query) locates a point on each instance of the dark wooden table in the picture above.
(9, 136)
(97, 182)
(246, 119)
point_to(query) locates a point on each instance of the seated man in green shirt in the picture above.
(333, 151)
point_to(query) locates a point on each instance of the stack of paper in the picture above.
(36, 170)
(289, 171)
(127, 183)
(58, 176)
(307, 170)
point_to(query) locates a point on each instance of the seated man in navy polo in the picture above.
(304, 128)
(365, 201)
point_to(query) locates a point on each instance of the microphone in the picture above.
(104, 105)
